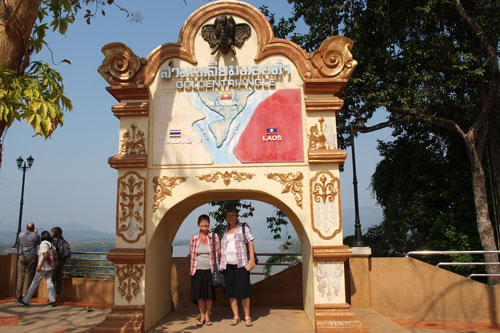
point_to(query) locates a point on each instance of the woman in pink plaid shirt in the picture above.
(237, 264)
(202, 266)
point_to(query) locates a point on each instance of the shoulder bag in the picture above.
(246, 245)
(217, 276)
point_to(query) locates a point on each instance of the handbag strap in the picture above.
(216, 267)
(246, 240)
(245, 234)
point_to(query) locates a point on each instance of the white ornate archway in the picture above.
(198, 125)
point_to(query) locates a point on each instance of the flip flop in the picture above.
(235, 321)
(208, 323)
(200, 323)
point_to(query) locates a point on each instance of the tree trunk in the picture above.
(484, 226)
(17, 18)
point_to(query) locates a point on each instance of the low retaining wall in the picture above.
(84, 290)
(74, 289)
(283, 289)
(407, 288)
(399, 288)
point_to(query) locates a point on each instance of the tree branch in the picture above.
(490, 50)
(478, 127)
(379, 126)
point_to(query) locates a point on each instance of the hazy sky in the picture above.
(71, 181)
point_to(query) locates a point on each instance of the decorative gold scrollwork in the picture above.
(163, 186)
(292, 183)
(120, 63)
(226, 176)
(130, 215)
(129, 280)
(133, 141)
(325, 217)
(324, 191)
(333, 56)
(317, 138)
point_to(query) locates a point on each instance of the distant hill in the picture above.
(73, 232)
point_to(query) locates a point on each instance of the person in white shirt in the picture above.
(43, 270)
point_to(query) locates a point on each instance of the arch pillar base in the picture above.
(123, 319)
(337, 318)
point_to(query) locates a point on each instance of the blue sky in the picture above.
(71, 181)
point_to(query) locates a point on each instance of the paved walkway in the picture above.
(79, 317)
(38, 317)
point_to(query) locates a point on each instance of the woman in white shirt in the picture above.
(237, 264)
(43, 270)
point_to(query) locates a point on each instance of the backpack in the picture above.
(53, 258)
(63, 249)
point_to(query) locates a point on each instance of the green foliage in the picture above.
(283, 27)
(37, 96)
(425, 192)
(34, 91)
(423, 63)
(219, 215)
(415, 57)
(276, 221)
(424, 187)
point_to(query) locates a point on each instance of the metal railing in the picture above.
(279, 254)
(428, 253)
(81, 264)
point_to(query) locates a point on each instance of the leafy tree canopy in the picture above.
(431, 64)
(32, 90)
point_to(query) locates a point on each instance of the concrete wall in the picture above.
(83, 290)
(74, 289)
(8, 277)
(400, 288)
(406, 288)
(282, 290)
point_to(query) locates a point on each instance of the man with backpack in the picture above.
(64, 253)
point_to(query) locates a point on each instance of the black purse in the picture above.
(246, 245)
(217, 276)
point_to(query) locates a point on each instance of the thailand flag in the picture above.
(272, 130)
(226, 95)
(175, 133)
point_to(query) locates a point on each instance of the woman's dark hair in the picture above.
(203, 217)
(232, 209)
(57, 232)
(45, 236)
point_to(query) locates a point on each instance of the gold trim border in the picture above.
(337, 180)
(122, 161)
(130, 109)
(336, 253)
(118, 233)
(123, 256)
(326, 156)
(324, 104)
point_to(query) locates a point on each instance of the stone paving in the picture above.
(80, 317)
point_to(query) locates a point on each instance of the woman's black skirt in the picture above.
(237, 282)
(201, 286)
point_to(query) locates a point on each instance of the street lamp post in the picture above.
(21, 165)
(358, 236)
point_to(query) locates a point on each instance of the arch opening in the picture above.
(173, 273)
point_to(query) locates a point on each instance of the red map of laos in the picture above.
(274, 132)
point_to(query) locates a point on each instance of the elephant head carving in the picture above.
(224, 34)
